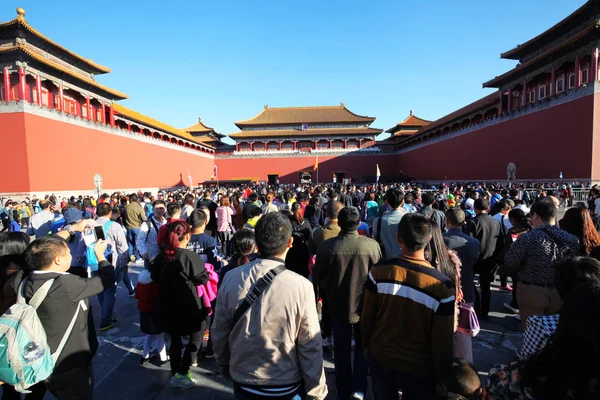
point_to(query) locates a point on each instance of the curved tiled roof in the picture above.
(136, 116)
(309, 133)
(19, 47)
(201, 129)
(22, 23)
(409, 122)
(299, 115)
(518, 51)
(497, 81)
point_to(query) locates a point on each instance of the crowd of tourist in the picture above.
(394, 279)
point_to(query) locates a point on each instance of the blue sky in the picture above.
(224, 60)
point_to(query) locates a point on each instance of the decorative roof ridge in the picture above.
(267, 109)
(137, 116)
(510, 53)
(64, 69)
(20, 20)
(546, 53)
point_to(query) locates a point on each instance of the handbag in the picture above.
(467, 320)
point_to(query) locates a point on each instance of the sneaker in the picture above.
(161, 362)
(132, 258)
(105, 327)
(132, 294)
(357, 396)
(194, 363)
(139, 261)
(183, 381)
(144, 360)
(511, 308)
(506, 288)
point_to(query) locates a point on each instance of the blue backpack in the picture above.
(91, 261)
(25, 357)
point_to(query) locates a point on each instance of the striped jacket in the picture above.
(408, 316)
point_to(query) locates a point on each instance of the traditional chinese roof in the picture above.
(411, 124)
(274, 133)
(116, 95)
(199, 130)
(482, 104)
(300, 115)
(552, 33)
(530, 65)
(151, 122)
(20, 22)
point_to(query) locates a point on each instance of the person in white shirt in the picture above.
(147, 240)
(40, 224)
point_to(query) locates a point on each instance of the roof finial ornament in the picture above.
(410, 112)
(342, 104)
(21, 14)
(200, 119)
(266, 106)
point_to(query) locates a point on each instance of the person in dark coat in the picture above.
(298, 256)
(178, 272)
(487, 230)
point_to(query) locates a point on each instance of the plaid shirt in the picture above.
(534, 253)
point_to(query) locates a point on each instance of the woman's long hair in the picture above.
(578, 222)
(520, 219)
(297, 212)
(176, 235)
(242, 245)
(438, 255)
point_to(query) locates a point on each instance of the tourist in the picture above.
(286, 353)
(429, 212)
(173, 215)
(467, 248)
(370, 209)
(313, 213)
(298, 256)
(147, 240)
(117, 242)
(520, 225)
(41, 223)
(459, 380)
(577, 222)
(200, 242)
(243, 249)
(49, 258)
(487, 230)
(178, 272)
(239, 213)
(385, 229)
(188, 206)
(268, 206)
(568, 367)
(88, 209)
(342, 266)
(532, 257)
(255, 215)
(132, 220)
(211, 228)
(12, 247)
(146, 293)
(409, 343)
(319, 236)
(570, 275)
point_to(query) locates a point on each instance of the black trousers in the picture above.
(487, 272)
(181, 364)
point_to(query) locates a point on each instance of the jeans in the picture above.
(107, 302)
(122, 274)
(349, 380)
(387, 382)
(182, 364)
(132, 234)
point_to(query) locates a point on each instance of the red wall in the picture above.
(288, 168)
(596, 140)
(62, 157)
(540, 144)
(14, 174)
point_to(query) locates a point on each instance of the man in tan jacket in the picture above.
(275, 348)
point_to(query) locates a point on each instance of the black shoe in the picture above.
(132, 294)
(144, 360)
(112, 323)
(161, 363)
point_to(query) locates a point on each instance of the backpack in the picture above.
(25, 357)
(150, 222)
(148, 209)
(3, 214)
(91, 260)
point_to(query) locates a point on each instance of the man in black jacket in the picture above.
(49, 258)
(487, 230)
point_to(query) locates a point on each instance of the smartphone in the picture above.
(99, 231)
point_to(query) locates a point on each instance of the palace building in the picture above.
(60, 126)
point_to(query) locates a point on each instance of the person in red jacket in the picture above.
(146, 294)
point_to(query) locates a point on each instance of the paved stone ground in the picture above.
(118, 375)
